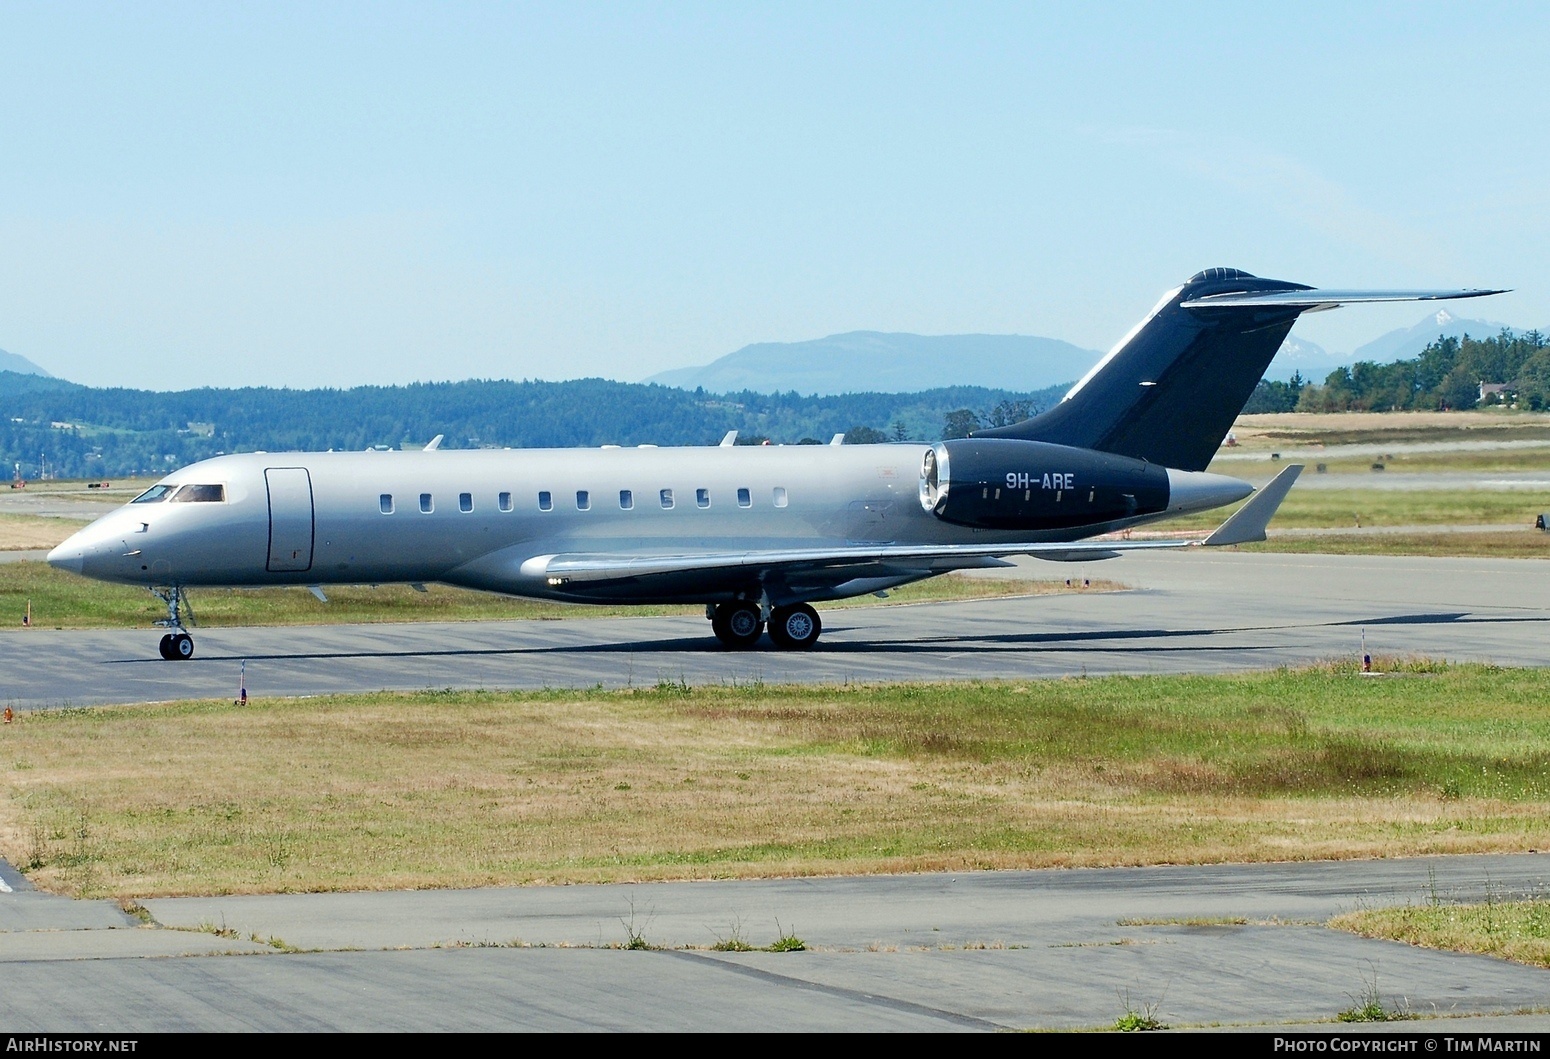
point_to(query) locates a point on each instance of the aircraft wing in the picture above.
(580, 566)
(1245, 525)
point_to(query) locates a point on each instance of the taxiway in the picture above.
(1196, 612)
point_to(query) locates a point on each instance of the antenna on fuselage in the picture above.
(730, 440)
(435, 443)
(838, 439)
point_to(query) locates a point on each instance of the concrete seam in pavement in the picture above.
(903, 1006)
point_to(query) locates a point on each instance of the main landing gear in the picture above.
(178, 645)
(739, 625)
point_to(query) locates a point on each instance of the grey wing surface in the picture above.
(1245, 525)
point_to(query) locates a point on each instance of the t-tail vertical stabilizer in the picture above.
(1169, 391)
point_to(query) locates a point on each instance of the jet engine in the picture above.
(1008, 484)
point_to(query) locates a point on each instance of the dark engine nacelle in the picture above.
(1002, 483)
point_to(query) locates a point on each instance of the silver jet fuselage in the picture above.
(488, 519)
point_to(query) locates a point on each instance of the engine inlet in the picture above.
(934, 478)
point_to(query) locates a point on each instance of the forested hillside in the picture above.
(81, 431)
(1449, 373)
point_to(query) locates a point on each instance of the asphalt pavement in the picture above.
(1228, 945)
(1184, 612)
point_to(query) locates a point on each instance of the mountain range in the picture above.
(1315, 362)
(888, 362)
(20, 364)
(896, 362)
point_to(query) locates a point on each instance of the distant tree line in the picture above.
(961, 422)
(1450, 373)
(80, 431)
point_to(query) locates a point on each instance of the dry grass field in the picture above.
(32, 532)
(1331, 428)
(671, 782)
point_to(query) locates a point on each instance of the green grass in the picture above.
(1512, 930)
(63, 600)
(1518, 544)
(1484, 463)
(479, 788)
(1345, 508)
(786, 941)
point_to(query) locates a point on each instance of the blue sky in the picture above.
(335, 194)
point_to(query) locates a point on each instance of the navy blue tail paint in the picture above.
(1170, 392)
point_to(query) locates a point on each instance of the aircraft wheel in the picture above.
(739, 626)
(795, 628)
(165, 647)
(718, 623)
(182, 647)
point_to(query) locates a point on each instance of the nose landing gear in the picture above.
(178, 645)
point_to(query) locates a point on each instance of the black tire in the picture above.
(183, 647)
(795, 628)
(165, 647)
(718, 623)
(740, 625)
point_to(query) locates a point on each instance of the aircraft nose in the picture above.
(69, 556)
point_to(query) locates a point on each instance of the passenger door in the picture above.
(290, 519)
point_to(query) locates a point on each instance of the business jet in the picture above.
(755, 534)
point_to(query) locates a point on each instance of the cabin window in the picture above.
(702, 497)
(425, 503)
(200, 494)
(385, 503)
(780, 496)
(626, 499)
(154, 495)
(583, 500)
(744, 498)
(505, 501)
(465, 502)
(667, 498)
(545, 501)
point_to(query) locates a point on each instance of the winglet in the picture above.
(1248, 523)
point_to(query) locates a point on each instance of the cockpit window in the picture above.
(154, 495)
(200, 494)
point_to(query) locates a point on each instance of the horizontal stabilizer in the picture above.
(1309, 300)
(1248, 523)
